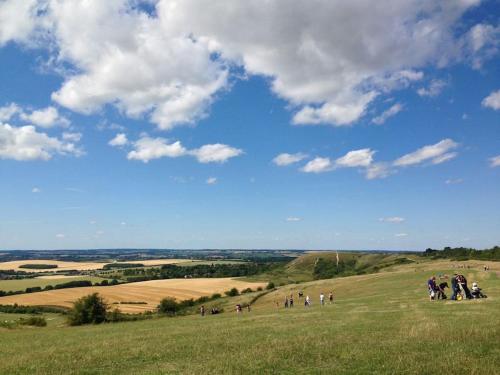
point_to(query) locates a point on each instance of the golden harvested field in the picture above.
(151, 292)
(80, 266)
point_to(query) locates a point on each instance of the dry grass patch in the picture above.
(150, 292)
(80, 266)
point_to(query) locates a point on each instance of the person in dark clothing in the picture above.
(440, 292)
(462, 285)
(454, 287)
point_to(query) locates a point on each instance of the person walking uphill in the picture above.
(322, 299)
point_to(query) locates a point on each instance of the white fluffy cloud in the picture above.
(356, 158)
(434, 89)
(35, 190)
(45, 118)
(492, 101)
(364, 160)
(495, 161)
(119, 140)
(147, 148)
(135, 61)
(287, 159)
(9, 111)
(328, 59)
(436, 153)
(293, 219)
(392, 111)
(26, 143)
(216, 153)
(17, 20)
(318, 165)
(392, 219)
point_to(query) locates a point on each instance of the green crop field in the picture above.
(379, 323)
(22, 284)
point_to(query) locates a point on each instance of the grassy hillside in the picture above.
(380, 323)
(323, 264)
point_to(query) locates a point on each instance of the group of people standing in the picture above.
(459, 288)
(289, 300)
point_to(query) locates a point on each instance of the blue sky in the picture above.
(151, 125)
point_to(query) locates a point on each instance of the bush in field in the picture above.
(90, 309)
(270, 285)
(232, 292)
(259, 289)
(168, 306)
(216, 296)
(247, 290)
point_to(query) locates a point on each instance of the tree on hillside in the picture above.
(90, 309)
(168, 306)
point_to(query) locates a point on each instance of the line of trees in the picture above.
(69, 284)
(464, 253)
(171, 271)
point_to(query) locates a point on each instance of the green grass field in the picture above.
(22, 284)
(379, 324)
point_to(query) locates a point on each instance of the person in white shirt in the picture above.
(307, 302)
(322, 299)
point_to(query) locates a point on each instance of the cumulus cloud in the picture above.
(45, 118)
(9, 111)
(141, 63)
(35, 190)
(119, 140)
(147, 148)
(401, 235)
(436, 153)
(495, 161)
(211, 180)
(392, 219)
(364, 160)
(328, 59)
(287, 159)
(60, 235)
(293, 219)
(453, 181)
(318, 165)
(384, 116)
(434, 89)
(216, 153)
(26, 143)
(492, 101)
(17, 20)
(356, 158)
